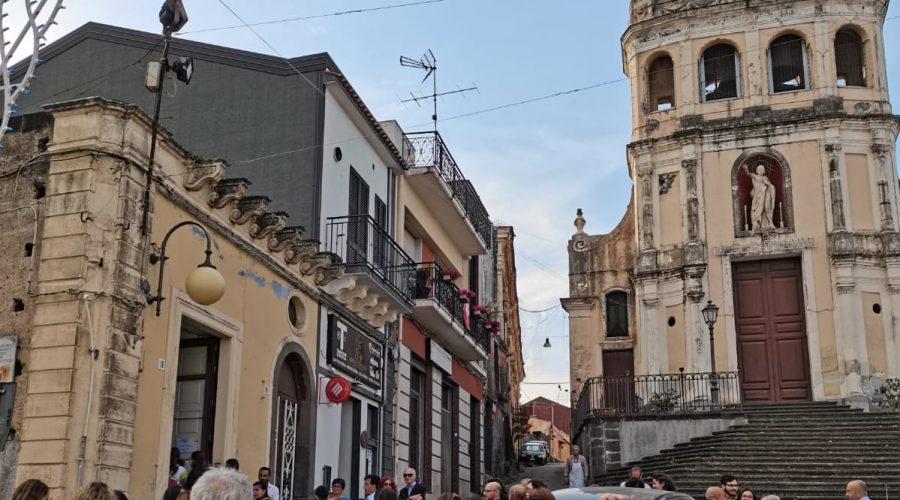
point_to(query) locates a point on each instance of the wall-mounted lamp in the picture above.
(547, 343)
(205, 285)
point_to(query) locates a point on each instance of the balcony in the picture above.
(439, 308)
(378, 278)
(435, 175)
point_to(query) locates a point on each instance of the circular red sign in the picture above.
(338, 389)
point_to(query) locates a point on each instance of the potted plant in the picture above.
(464, 294)
(480, 311)
(449, 275)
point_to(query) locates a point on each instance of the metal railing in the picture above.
(430, 151)
(430, 284)
(362, 244)
(672, 394)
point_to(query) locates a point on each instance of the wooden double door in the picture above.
(771, 330)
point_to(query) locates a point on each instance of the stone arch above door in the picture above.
(292, 423)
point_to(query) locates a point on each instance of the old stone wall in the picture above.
(23, 178)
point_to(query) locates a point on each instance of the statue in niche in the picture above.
(762, 195)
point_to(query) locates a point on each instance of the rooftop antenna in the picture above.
(429, 63)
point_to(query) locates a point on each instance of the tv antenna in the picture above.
(429, 63)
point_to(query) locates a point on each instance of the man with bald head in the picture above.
(517, 492)
(715, 493)
(857, 490)
(492, 491)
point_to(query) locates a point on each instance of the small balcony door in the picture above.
(358, 229)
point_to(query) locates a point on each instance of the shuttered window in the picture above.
(617, 314)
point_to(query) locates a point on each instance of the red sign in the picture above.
(338, 390)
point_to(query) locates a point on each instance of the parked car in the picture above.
(534, 452)
(616, 493)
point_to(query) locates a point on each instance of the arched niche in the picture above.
(764, 174)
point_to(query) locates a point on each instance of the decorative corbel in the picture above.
(227, 191)
(290, 236)
(202, 173)
(248, 208)
(268, 223)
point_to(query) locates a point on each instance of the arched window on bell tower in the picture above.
(720, 75)
(661, 84)
(788, 64)
(848, 59)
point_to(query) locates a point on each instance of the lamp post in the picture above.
(710, 313)
(205, 285)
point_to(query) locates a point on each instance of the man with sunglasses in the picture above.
(413, 490)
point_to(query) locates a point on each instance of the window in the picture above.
(719, 73)
(416, 417)
(787, 64)
(661, 81)
(848, 59)
(617, 314)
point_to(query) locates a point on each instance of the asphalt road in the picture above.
(552, 474)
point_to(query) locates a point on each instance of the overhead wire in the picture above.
(316, 16)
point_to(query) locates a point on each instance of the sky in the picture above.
(532, 164)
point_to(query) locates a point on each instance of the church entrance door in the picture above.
(771, 330)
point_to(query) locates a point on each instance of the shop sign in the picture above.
(440, 357)
(338, 390)
(354, 353)
(8, 359)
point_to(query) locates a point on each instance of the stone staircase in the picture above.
(799, 451)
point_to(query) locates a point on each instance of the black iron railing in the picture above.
(363, 245)
(430, 284)
(431, 151)
(673, 394)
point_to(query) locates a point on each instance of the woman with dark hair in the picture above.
(387, 482)
(176, 468)
(260, 491)
(31, 489)
(663, 482)
(746, 494)
(387, 494)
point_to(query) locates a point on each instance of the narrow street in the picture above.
(552, 474)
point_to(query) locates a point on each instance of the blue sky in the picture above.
(533, 165)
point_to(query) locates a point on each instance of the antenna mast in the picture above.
(429, 63)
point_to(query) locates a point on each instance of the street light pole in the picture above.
(710, 314)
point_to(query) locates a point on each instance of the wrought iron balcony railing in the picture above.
(364, 245)
(648, 395)
(430, 151)
(430, 284)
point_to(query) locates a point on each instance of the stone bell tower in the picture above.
(765, 181)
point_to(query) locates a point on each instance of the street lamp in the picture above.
(547, 343)
(205, 285)
(710, 313)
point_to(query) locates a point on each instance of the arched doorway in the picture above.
(293, 411)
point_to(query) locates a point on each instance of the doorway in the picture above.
(195, 393)
(449, 438)
(771, 330)
(618, 380)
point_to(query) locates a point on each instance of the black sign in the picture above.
(354, 353)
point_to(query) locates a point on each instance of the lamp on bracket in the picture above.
(205, 285)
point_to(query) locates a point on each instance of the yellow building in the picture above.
(107, 385)
(763, 160)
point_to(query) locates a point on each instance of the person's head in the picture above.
(95, 491)
(370, 483)
(322, 492)
(771, 497)
(576, 450)
(856, 489)
(746, 494)
(715, 493)
(541, 494)
(31, 489)
(491, 491)
(198, 469)
(662, 482)
(387, 482)
(338, 486)
(525, 482)
(387, 494)
(120, 495)
(517, 492)
(222, 483)
(635, 473)
(260, 490)
(536, 484)
(409, 476)
(729, 484)
(264, 474)
(232, 463)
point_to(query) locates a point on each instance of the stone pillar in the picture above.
(850, 340)
(584, 339)
(885, 186)
(837, 193)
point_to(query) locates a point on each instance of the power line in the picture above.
(317, 16)
(539, 310)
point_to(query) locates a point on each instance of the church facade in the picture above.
(765, 181)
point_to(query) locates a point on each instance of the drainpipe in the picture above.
(93, 352)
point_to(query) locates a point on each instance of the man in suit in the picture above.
(412, 490)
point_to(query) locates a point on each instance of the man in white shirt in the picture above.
(271, 490)
(370, 486)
